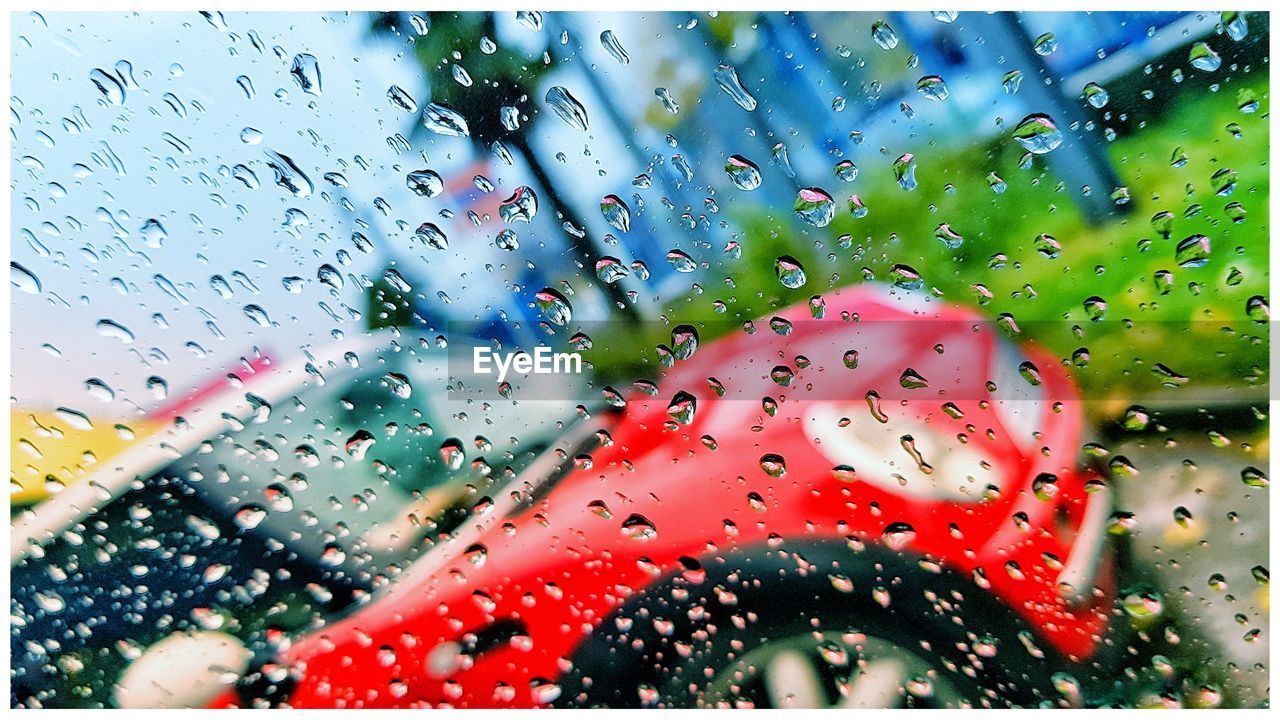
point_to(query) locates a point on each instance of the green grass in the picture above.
(1199, 328)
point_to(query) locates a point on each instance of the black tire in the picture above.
(789, 591)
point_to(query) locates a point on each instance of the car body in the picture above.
(282, 478)
(638, 534)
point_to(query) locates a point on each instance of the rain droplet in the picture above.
(1046, 44)
(398, 384)
(257, 314)
(616, 212)
(1038, 134)
(23, 279)
(610, 42)
(1236, 25)
(306, 72)
(1048, 246)
(425, 183)
(815, 206)
(790, 272)
(554, 306)
(288, 175)
(1257, 309)
(639, 527)
(681, 261)
(846, 171)
(610, 269)
(507, 240)
(567, 108)
(1011, 81)
(110, 87)
(444, 121)
(452, 453)
(668, 102)
(906, 277)
(883, 35)
(948, 236)
(904, 171)
(1202, 57)
(401, 100)
(1193, 252)
(744, 174)
(1096, 95)
(113, 329)
(682, 408)
(773, 465)
(932, 87)
(727, 78)
(522, 206)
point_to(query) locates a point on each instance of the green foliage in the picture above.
(1199, 329)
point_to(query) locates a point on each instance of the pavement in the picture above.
(1203, 556)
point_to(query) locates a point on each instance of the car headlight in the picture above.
(183, 671)
(905, 455)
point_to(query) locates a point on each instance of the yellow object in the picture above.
(50, 450)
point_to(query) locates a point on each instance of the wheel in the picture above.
(818, 625)
(849, 670)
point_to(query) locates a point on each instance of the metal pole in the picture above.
(1081, 161)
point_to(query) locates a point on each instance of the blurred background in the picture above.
(195, 192)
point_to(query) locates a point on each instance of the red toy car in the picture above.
(879, 507)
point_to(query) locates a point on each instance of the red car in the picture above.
(879, 506)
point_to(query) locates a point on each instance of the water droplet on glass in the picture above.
(1048, 246)
(682, 408)
(1096, 95)
(883, 35)
(109, 85)
(904, 171)
(1038, 134)
(1236, 25)
(507, 240)
(1011, 81)
(306, 72)
(1202, 57)
(1257, 309)
(616, 212)
(452, 453)
(815, 206)
(23, 279)
(932, 87)
(1193, 252)
(668, 101)
(949, 237)
(444, 121)
(790, 272)
(906, 277)
(522, 206)
(846, 171)
(567, 108)
(398, 384)
(401, 100)
(610, 269)
(554, 306)
(288, 175)
(727, 78)
(681, 261)
(610, 42)
(425, 183)
(1046, 44)
(1095, 307)
(773, 465)
(113, 329)
(744, 174)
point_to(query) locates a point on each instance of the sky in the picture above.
(78, 216)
